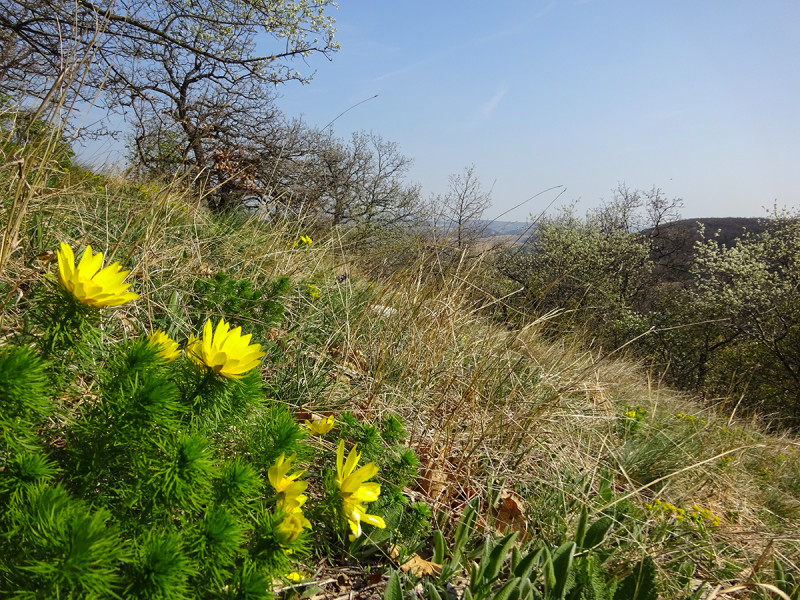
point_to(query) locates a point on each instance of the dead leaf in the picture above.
(302, 416)
(416, 565)
(509, 514)
(46, 256)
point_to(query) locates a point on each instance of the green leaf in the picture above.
(597, 533)
(505, 591)
(640, 584)
(394, 591)
(311, 590)
(580, 530)
(431, 591)
(498, 555)
(780, 573)
(548, 572)
(525, 565)
(465, 528)
(526, 589)
(439, 547)
(562, 569)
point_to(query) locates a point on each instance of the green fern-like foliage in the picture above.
(24, 398)
(57, 546)
(239, 298)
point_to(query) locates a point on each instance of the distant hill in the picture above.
(676, 240)
(726, 230)
(516, 228)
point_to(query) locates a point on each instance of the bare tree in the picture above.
(457, 215)
(362, 180)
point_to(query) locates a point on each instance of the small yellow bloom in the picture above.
(290, 491)
(89, 282)
(306, 240)
(631, 414)
(297, 575)
(168, 349)
(292, 525)
(355, 490)
(313, 291)
(226, 351)
(320, 427)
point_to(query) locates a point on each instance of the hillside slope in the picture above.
(535, 430)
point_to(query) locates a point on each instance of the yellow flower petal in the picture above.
(367, 492)
(167, 348)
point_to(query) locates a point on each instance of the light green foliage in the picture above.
(58, 546)
(580, 267)
(752, 291)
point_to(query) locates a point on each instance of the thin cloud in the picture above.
(518, 25)
(488, 107)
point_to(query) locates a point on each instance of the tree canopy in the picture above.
(195, 78)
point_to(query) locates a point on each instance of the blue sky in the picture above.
(699, 98)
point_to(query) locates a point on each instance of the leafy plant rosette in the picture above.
(144, 471)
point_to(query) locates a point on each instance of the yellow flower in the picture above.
(355, 490)
(290, 491)
(313, 291)
(167, 348)
(631, 414)
(292, 525)
(320, 427)
(306, 240)
(89, 282)
(228, 353)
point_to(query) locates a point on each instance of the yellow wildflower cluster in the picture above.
(668, 509)
(147, 191)
(303, 242)
(314, 291)
(703, 515)
(230, 354)
(637, 412)
(227, 352)
(682, 415)
(224, 350)
(697, 514)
